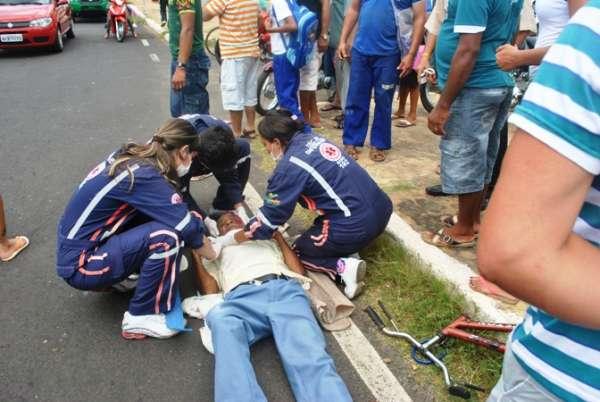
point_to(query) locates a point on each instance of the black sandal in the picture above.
(249, 134)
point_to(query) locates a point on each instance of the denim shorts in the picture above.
(193, 98)
(470, 145)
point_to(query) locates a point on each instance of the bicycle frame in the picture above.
(457, 330)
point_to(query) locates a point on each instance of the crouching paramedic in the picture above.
(127, 216)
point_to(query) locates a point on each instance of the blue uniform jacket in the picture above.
(102, 204)
(319, 176)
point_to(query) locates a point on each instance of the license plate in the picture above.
(11, 38)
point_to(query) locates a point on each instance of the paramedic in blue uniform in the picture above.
(216, 140)
(128, 216)
(315, 173)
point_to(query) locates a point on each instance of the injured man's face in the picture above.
(228, 222)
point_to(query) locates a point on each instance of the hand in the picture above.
(507, 57)
(423, 65)
(216, 250)
(322, 44)
(406, 65)
(227, 239)
(343, 51)
(437, 119)
(211, 226)
(178, 79)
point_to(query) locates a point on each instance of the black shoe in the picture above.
(436, 191)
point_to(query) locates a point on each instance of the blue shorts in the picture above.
(470, 145)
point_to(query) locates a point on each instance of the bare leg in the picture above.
(315, 117)
(236, 122)
(414, 101)
(305, 105)
(250, 118)
(402, 96)
(468, 208)
(9, 245)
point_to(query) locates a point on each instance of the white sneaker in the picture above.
(140, 326)
(352, 271)
(206, 336)
(199, 306)
(128, 284)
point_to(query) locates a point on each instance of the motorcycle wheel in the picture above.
(217, 52)
(429, 95)
(120, 30)
(267, 96)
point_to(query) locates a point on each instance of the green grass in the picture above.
(399, 187)
(421, 305)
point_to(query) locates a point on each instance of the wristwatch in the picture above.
(325, 36)
(181, 65)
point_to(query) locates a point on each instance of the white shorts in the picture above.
(309, 74)
(238, 83)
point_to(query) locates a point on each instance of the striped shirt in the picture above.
(238, 27)
(562, 109)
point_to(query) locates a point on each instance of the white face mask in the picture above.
(182, 170)
(276, 157)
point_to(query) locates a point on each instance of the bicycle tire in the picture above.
(207, 40)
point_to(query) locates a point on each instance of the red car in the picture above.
(35, 23)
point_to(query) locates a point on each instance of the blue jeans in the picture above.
(193, 98)
(279, 308)
(470, 146)
(366, 73)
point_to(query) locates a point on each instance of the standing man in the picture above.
(189, 65)
(375, 58)
(541, 236)
(309, 74)
(473, 106)
(238, 40)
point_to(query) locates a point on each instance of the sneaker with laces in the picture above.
(352, 272)
(141, 326)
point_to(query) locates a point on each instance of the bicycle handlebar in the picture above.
(375, 317)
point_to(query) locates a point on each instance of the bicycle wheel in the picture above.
(210, 40)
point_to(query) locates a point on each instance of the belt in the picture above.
(262, 279)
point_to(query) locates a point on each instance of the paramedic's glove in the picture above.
(211, 226)
(226, 240)
(241, 212)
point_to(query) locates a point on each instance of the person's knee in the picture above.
(220, 320)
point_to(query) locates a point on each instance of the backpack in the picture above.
(301, 42)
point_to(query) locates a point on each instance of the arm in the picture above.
(463, 62)
(549, 266)
(186, 38)
(406, 64)
(212, 9)
(323, 41)
(205, 281)
(350, 19)
(289, 256)
(429, 48)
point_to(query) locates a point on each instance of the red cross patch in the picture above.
(330, 152)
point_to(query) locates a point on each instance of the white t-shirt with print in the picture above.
(279, 11)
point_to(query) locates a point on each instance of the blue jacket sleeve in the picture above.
(153, 196)
(283, 190)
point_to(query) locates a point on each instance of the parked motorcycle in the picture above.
(117, 19)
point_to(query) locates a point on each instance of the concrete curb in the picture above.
(155, 26)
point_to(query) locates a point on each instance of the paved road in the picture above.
(59, 115)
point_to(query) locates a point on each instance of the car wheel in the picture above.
(71, 31)
(58, 44)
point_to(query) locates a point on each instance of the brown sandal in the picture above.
(376, 155)
(352, 151)
(443, 239)
(249, 134)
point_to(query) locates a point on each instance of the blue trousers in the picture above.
(152, 249)
(193, 98)
(279, 308)
(370, 73)
(287, 81)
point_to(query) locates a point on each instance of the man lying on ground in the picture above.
(263, 296)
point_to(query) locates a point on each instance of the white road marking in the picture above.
(376, 375)
(154, 57)
(145, 42)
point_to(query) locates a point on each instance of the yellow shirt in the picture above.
(247, 261)
(238, 27)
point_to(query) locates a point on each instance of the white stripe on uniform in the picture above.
(184, 222)
(317, 176)
(567, 346)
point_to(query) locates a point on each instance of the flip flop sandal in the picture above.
(396, 116)
(329, 107)
(17, 251)
(249, 134)
(441, 239)
(403, 123)
(377, 155)
(339, 121)
(449, 220)
(352, 151)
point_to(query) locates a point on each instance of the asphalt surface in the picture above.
(60, 114)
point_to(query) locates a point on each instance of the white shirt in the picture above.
(247, 261)
(280, 9)
(553, 16)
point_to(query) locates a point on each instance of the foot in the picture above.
(106, 35)
(403, 123)
(128, 284)
(163, 23)
(446, 239)
(481, 285)
(451, 220)
(12, 247)
(248, 133)
(352, 151)
(397, 115)
(352, 271)
(436, 191)
(377, 155)
(141, 326)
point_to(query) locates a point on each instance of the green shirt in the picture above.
(177, 7)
